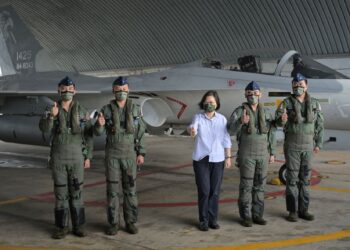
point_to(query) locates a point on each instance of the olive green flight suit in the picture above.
(255, 145)
(123, 144)
(303, 132)
(71, 144)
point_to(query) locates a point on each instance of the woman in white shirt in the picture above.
(212, 152)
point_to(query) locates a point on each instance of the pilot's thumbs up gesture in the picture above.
(284, 116)
(245, 117)
(101, 119)
(54, 110)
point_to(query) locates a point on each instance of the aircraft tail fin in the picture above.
(18, 46)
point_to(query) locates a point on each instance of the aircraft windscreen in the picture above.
(250, 64)
(315, 70)
(290, 64)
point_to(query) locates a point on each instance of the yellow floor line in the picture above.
(340, 190)
(283, 243)
(33, 248)
(19, 199)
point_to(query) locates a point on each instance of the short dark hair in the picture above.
(210, 93)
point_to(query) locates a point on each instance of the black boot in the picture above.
(214, 225)
(259, 220)
(78, 221)
(292, 217)
(112, 229)
(203, 226)
(247, 222)
(131, 228)
(61, 222)
(306, 216)
(113, 219)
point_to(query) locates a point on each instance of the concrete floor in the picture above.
(168, 209)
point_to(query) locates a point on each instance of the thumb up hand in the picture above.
(284, 116)
(54, 110)
(101, 119)
(245, 117)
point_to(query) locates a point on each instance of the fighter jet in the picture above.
(168, 99)
(171, 97)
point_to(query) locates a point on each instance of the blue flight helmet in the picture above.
(66, 82)
(299, 77)
(120, 81)
(252, 86)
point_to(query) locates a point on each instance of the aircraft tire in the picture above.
(282, 174)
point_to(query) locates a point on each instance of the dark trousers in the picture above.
(208, 179)
(298, 180)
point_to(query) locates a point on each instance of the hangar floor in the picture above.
(168, 209)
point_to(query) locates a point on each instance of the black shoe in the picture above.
(247, 222)
(79, 231)
(60, 233)
(292, 217)
(61, 222)
(259, 221)
(131, 228)
(203, 226)
(306, 216)
(214, 225)
(112, 230)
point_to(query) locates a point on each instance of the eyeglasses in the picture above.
(252, 92)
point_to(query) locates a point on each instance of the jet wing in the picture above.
(46, 84)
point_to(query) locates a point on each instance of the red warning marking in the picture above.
(49, 196)
(183, 106)
(172, 168)
(101, 203)
(315, 179)
(231, 83)
(174, 204)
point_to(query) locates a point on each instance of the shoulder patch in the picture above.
(107, 111)
(267, 113)
(237, 113)
(315, 104)
(281, 106)
(240, 108)
(288, 103)
(318, 106)
(136, 110)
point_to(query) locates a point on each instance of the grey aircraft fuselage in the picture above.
(168, 98)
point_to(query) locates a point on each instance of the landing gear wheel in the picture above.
(282, 174)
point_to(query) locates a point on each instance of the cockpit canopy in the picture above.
(288, 65)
